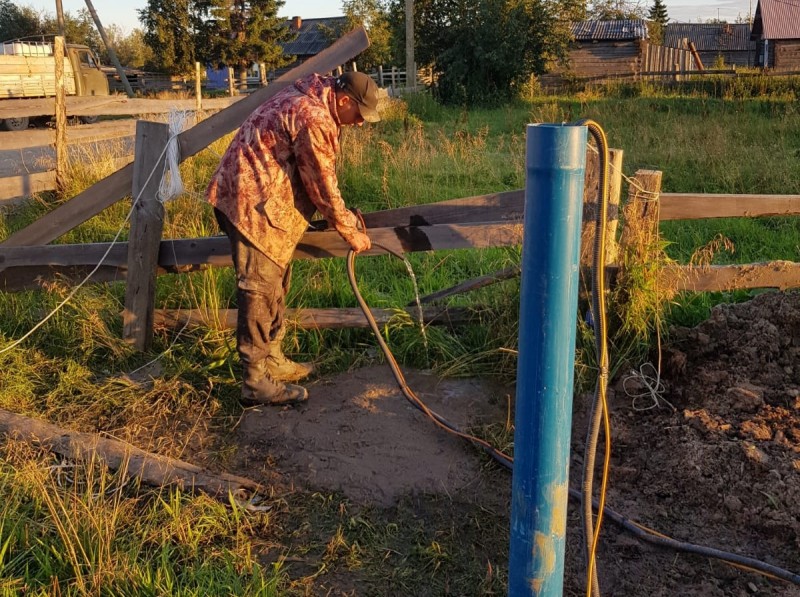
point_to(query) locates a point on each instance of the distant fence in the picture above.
(663, 59)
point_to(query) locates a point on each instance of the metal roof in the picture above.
(311, 39)
(606, 30)
(777, 19)
(709, 37)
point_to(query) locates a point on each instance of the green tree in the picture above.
(480, 50)
(613, 10)
(168, 32)
(373, 15)
(657, 21)
(239, 33)
(131, 48)
(658, 13)
(18, 21)
(78, 29)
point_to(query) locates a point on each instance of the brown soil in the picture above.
(714, 461)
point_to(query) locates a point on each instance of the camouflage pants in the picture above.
(261, 288)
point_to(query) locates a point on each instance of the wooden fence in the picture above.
(27, 261)
(662, 59)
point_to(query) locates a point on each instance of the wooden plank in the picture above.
(151, 469)
(714, 278)
(31, 267)
(116, 186)
(473, 284)
(692, 206)
(316, 319)
(506, 206)
(14, 188)
(107, 105)
(147, 225)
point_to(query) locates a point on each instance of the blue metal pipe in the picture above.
(555, 164)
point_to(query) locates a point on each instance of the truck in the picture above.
(27, 71)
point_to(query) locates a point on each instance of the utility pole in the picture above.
(60, 17)
(411, 70)
(111, 53)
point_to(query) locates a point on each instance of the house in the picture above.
(729, 42)
(311, 38)
(776, 31)
(603, 48)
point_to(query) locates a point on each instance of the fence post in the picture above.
(591, 205)
(640, 217)
(198, 89)
(555, 165)
(380, 76)
(262, 73)
(61, 117)
(231, 88)
(147, 224)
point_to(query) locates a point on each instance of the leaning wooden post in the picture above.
(61, 117)
(147, 223)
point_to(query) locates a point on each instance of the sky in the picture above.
(123, 12)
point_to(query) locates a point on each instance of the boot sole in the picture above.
(249, 401)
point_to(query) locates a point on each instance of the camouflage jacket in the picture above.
(281, 167)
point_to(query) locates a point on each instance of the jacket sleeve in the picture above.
(315, 151)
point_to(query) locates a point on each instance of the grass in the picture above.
(81, 530)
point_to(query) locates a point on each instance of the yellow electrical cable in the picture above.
(599, 286)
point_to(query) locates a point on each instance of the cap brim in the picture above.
(369, 114)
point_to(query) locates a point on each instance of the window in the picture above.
(86, 59)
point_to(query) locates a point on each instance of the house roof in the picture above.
(311, 38)
(776, 19)
(607, 30)
(709, 37)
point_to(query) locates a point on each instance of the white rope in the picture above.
(171, 185)
(649, 377)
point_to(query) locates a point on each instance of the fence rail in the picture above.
(493, 220)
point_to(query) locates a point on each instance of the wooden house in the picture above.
(606, 48)
(776, 31)
(312, 36)
(728, 42)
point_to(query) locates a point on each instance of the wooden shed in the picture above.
(776, 31)
(714, 41)
(604, 48)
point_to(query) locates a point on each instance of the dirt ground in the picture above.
(713, 459)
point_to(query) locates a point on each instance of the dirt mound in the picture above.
(723, 468)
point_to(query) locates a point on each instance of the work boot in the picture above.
(258, 387)
(280, 367)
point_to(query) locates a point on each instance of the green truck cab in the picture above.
(27, 71)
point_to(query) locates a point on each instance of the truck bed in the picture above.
(22, 76)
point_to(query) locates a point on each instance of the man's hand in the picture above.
(360, 242)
